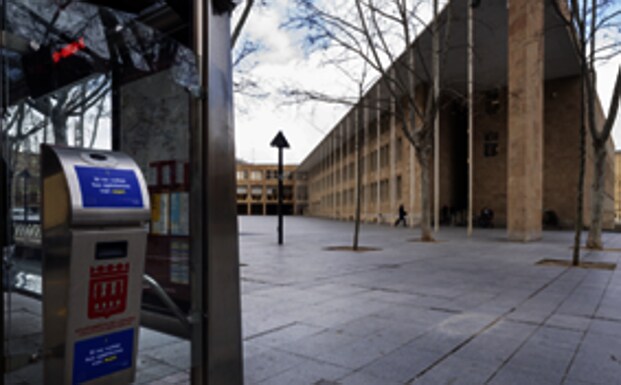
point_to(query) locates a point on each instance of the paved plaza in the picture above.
(460, 311)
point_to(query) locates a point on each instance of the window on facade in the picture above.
(242, 175)
(256, 175)
(257, 193)
(490, 143)
(373, 130)
(287, 193)
(385, 124)
(271, 193)
(399, 150)
(242, 193)
(384, 189)
(384, 156)
(302, 193)
(373, 160)
(399, 187)
(373, 193)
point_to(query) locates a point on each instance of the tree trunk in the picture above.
(425, 226)
(358, 187)
(59, 127)
(597, 199)
(580, 193)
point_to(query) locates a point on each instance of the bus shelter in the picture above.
(150, 78)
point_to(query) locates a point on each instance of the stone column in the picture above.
(525, 120)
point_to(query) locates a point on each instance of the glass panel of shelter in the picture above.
(87, 76)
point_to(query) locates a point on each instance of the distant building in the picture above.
(257, 190)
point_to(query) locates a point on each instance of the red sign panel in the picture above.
(108, 290)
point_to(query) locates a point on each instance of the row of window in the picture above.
(371, 158)
(258, 175)
(257, 193)
(349, 148)
(369, 194)
(348, 172)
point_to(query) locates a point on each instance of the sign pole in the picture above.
(281, 143)
(280, 188)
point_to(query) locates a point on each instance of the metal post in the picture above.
(25, 194)
(436, 118)
(280, 188)
(470, 111)
(281, 143)
(216, 302)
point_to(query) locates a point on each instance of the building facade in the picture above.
(257, 189)
(525, 137)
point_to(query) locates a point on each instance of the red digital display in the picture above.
(68, 50)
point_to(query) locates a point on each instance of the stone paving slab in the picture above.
(462, 311)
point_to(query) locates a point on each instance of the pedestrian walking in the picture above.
(402, 215)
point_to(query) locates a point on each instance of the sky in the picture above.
(282, 61)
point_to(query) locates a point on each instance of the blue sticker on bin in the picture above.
(109, 188)
(100, 356)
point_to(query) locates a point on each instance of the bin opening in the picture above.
(99, 157)
(111, 250)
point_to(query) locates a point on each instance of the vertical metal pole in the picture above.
(436, 118)
(4, 194)
(198, 373)
(25, 194)
(470, 112)
(216, 308)
(280, 188)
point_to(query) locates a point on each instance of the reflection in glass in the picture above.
(88, 76)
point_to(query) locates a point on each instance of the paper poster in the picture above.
(180, 262)
(179, 214)
(159, 214)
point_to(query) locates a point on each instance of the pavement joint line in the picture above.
(542, 323)
(278, 328)
(483, 330)
(444, 310)
(586, 330)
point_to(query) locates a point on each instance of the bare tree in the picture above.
(587, 20)
(381, 33)
(244, 48)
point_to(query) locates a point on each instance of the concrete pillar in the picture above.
(525, 125)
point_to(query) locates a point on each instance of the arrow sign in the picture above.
(280, 142)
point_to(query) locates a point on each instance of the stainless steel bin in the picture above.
(95, 212)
